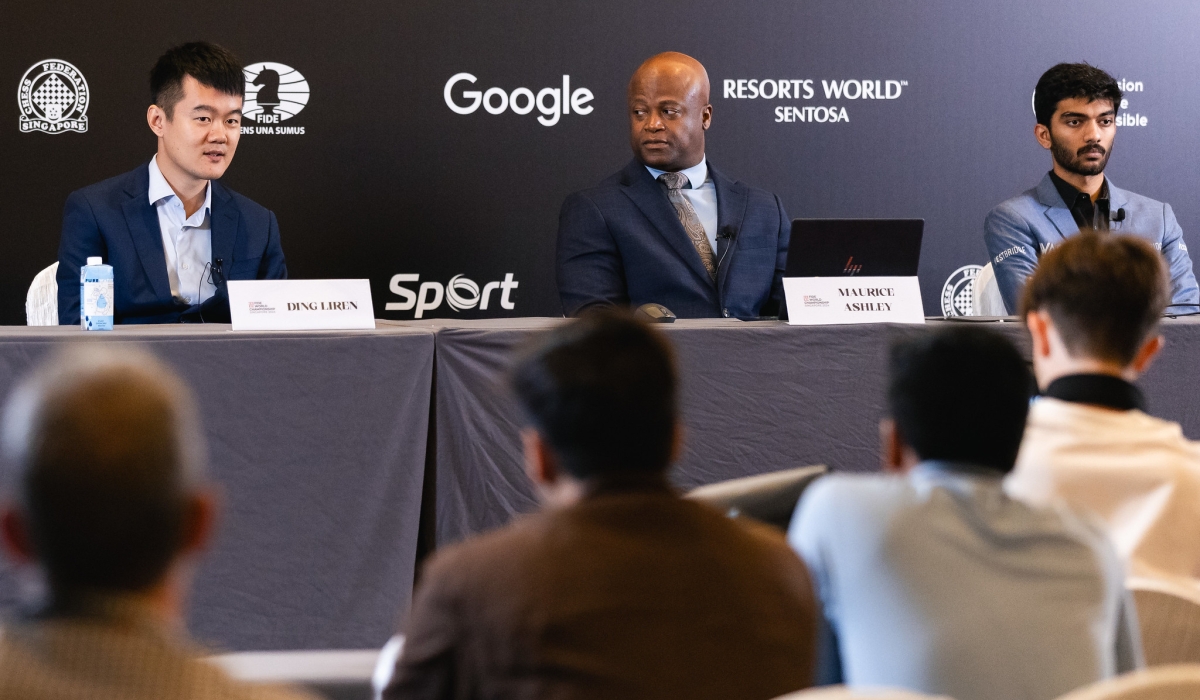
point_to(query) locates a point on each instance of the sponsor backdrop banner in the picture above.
(427, 146)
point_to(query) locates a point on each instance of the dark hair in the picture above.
(106, 452)
(960, 394)
(601, 391)
(1069, 80)
(211, 66)
(1105, 292)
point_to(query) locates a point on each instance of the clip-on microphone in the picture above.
(1120, 215)
(729, 235)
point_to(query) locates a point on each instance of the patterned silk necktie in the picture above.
(691, 222)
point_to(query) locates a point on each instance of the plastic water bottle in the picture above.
(96, 296)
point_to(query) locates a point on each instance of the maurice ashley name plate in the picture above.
(822, 301)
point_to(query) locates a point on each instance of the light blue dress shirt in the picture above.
(703, 196)
(187, 240)
(939, 583)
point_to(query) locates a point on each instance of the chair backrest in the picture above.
(841, 692)
(987, 300)
(333, 674)
(41, 303)
(770, 498)
(1170, 620)
(386, 665)
(1180, 682)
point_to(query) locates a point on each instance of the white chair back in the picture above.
(385, 666)
(1169, 616)
(334, 674)
(841, 692)
(1181, 682)
(41, 303)
(987, 300)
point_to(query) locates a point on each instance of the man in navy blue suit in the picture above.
(171, 232)
(670, 229)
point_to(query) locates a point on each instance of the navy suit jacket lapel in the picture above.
(731, 210)
(651, 199)
(142, 219)
(1056, 209)
(223, 225)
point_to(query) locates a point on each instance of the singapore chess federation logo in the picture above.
(958, 294)
(275, 93)
(53, 96)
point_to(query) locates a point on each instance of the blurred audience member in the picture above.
(1092, 307)
(618, 588)
(107, 498)
(932, 578)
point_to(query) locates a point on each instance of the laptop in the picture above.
(862, 247)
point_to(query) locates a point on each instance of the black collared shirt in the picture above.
(1086, 213)
(1098, 390)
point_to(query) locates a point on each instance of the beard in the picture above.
(1073, 161)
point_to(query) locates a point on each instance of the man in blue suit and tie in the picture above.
(172, 233)
(669, 228)
(1076, 108)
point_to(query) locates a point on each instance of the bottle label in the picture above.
(97, 302)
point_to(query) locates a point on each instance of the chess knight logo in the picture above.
(53, 96)
(274, 93)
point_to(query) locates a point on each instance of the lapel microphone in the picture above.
(729, 235)
(1120, 215)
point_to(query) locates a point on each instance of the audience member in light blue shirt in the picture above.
(932, 579)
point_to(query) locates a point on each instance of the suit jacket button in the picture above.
(726, 312)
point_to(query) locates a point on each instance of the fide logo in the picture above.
(274, 94)
(53, 96)
(958, 294)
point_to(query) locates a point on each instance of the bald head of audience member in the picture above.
(599, 395)
(1093, 305)
(669, 111)
(105, 479)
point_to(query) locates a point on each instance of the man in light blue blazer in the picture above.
(1076, 108)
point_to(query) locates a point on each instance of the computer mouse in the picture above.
(654, 313)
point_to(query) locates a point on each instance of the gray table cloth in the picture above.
(317, 440)
(756, 397)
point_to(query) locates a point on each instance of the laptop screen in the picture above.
(867, 247)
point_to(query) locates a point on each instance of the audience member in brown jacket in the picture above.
(617, 588)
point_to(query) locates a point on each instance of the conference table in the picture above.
(317, 442)
(755, 397)
(343, 456)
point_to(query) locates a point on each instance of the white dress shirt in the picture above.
(1136, 473)
(938, 582)
(703, 196)
(187, 240)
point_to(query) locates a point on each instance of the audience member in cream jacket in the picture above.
(1092, 309)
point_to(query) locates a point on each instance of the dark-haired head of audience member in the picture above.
(105, 477)
(957, 395)
(210, 65)
(599, 394)
(1093, 306)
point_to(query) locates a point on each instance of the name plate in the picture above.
(823, 301)
(298, 305)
